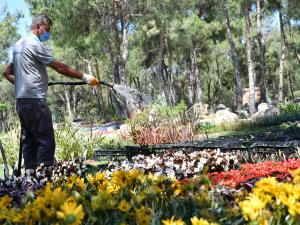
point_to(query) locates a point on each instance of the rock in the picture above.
(270, 111)
(152, 116)
(200, 110)
(124, 129)
(224, 116)
(262, 107)
(219, 107)
(110, 129)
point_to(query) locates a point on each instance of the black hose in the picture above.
(66, 83)
(78, 83)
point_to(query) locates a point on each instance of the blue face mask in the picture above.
(45, 36)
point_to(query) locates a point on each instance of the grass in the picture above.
(1, 172)
(287, 121)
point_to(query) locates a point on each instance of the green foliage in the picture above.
(114, 143)
(169, 113)
(8, 31)
(205, 128)
(159, 114)
(11, 142)
(72, 142)
(3, 106)
(291, 108)
(297, 94)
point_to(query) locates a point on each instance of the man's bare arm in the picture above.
(9, 73)
(65, 70)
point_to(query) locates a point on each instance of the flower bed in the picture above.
(125, 198)
(273, 202)
(16, 187)
(253, 172)
(134, 197)
(179, 164)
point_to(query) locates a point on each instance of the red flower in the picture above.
(232, 178)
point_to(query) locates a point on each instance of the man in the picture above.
(27, 70)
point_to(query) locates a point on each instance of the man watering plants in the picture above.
(27, 70)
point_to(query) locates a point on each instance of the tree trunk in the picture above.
(159, 67)
(290, 86)
(124, 56)
(282, 59)
(99, 93)
(191, 80)
(294, 45)
(250, 63)
(194, 88)
(152, 83)
(235, 59)
(110, 97)
(218, 88)
(74, 100)
(208, 86)
(69, 112)
(261, 75)
(172, 92)
(117, 56)
(90, 71)
(197, 86)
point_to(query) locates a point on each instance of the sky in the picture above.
(20, 5)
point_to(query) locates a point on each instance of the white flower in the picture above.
(219, 160)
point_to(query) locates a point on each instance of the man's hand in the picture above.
(89, 79)
(9, 73)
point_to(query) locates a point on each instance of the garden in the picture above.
(170, 186)
(195, 119)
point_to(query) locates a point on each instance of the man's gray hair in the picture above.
(40, 19)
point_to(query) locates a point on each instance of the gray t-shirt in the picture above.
(30, 58)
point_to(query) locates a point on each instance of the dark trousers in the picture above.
(37, 134)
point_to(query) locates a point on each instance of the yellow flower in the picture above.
(4, 215)
(71, 213)
(172, 221)
(90, 178)
(71, 180)
(123, 206)
(134, 175)
(120, 178)
(152, 177)
(98, 181)
(143, 216)
(196, 221)
(15, 216)
(102, 202)
(58, 197)
(252, 207)
(101, 176)
(5, 202)
(177, 188)
(80, 183)
(296, 174)
(111, 188)
(42, 205)
(30, 214)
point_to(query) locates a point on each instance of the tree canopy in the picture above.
(198, 51)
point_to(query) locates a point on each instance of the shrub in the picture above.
(72, 142)
(160, 124)
(291, 108)
(11, 142)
